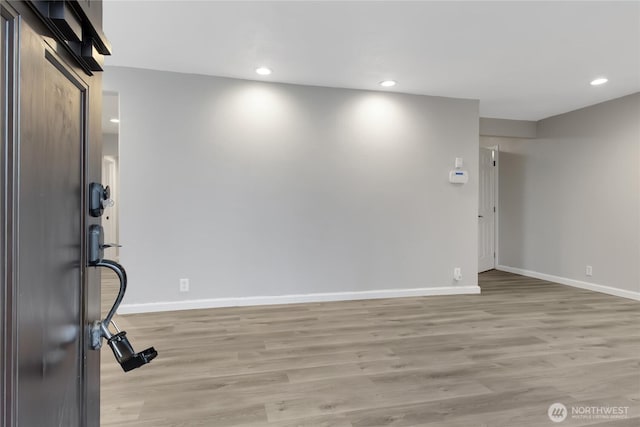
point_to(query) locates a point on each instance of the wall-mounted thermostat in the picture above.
(458, 176)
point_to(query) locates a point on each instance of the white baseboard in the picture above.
(571, 282)
(294, 299)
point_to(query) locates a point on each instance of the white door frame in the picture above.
(496, 192)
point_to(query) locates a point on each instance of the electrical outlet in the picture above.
(184, 285)
(589, 271)
(457, 273)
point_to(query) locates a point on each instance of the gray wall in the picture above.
(254, 189)
(507, 128)
(571, 197)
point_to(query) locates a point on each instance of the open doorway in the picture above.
(111, 177)
(111, 169)
(110, 224)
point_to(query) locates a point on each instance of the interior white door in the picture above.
(110, 216)
(486, 211)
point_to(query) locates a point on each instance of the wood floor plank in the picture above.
(495, 359)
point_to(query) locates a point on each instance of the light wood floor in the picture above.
(496, 359)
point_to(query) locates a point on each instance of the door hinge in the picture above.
(494, 254)
(494, 208)
(494, 163)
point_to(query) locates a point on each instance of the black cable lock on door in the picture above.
(119, 343)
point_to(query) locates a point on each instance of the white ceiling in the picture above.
(523, 60)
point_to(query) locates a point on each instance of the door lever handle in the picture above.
(99, 329)
(480, 216)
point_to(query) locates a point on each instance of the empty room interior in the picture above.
(388, 213)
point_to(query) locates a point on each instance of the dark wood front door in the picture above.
(51, 151)
(50, 241)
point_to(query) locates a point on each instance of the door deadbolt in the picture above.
(99, 198)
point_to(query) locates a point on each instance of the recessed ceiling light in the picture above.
(599, 81)
(263, 71)
(114, 120)
(388, 83)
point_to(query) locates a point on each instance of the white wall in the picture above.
(110, 145)
(571, 198)
(260, 189)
